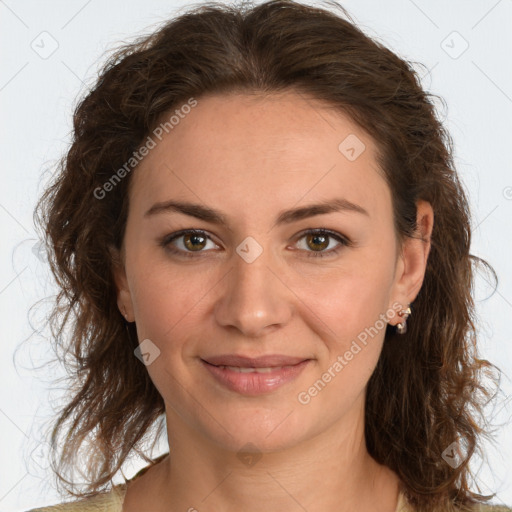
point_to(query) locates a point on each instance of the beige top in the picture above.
(112, 501)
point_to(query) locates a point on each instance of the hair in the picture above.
(427, 390)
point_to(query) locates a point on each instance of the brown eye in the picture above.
(194, 242)
(188, 242)
(321, 242)
(317, 242)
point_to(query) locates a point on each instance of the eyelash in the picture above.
(344, 241)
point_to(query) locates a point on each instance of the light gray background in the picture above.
(38, 92)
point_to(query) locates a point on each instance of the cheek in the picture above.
(164, 298)
(345, 311)
(349, 298)
(167, 306)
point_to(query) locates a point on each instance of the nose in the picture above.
(254, 297)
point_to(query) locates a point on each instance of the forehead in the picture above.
(261, 152)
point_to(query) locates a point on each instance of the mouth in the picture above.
(254, 376)
(242, 369)
(268, 361)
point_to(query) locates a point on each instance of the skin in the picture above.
(252, 156)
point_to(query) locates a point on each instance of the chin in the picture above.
(260, 430)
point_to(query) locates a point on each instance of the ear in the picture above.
(412, 261)
(124, 298)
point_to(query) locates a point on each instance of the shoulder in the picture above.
(404, 506)
(111, 501)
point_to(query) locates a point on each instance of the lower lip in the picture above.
(255, 383)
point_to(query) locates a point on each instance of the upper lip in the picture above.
(269, 361)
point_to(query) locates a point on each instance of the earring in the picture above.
(123, 311)
(401, 328)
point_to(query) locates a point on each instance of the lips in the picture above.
(254, 376)
(243, 362)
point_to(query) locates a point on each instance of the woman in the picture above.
(261, 239)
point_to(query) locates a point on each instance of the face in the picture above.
(264, 274)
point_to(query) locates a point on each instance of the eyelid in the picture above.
(324, 231)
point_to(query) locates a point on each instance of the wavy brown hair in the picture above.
(427, 390)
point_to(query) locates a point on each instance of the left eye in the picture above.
(318, 240)
(188, 242)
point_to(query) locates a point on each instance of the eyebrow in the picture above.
(214, 216)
